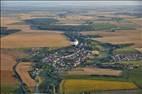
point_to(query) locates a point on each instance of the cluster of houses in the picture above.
(126, 57)
(66, 59)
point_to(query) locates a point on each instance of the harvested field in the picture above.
(34, 39)
(8, 60)
(94, 71)
(119, 37)
(6, 21)
(7, 78)
(78, 86)
(139, 49)
(137, 21)
(22, 69)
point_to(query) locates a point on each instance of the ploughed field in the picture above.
(23, 69)
(78, 86)
(8, 80)
(34, 39)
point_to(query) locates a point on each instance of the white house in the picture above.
(75, 42)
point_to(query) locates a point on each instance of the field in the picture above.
(78, 86)
(137, 21)
(126, 50)
(46, 30)
(28, 37)
(135, 75)
(94, 71)
(119, 37)
(22, 69)
(8, 58)
(34, 39)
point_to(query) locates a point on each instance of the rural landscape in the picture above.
(71, 47)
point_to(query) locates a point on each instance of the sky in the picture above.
(72, 2)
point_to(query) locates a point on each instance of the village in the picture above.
(67, 58)
(126, 57)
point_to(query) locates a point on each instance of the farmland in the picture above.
(8, 60)
(120, 37)
(78, 86)
(82, 49)
(23, 70)
(94, 71)
(34, 39)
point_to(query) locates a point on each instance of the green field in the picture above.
(135, 75)
(5, 89)
(125, 50)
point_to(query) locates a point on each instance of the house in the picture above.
(74, 42)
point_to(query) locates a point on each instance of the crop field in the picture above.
(8, 60)
(137, 63)
(22, 69)
(135, 75)
(125, 50)
(94, 71)
(139, 49)
(6, 21)
(34, 39)
(137, 21)
(119, 37)
(78, 86)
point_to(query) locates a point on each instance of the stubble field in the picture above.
(34, 39)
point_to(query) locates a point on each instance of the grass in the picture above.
(103, 26)
(8, 89)
(118, 19)
(125, 50)
(137, 63)
(92, 77)
(77, 86)
(135, 75)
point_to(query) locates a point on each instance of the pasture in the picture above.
(78, 86)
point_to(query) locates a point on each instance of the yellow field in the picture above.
(34, 39)
(77, 86)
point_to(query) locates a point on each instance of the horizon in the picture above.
(78, 3)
